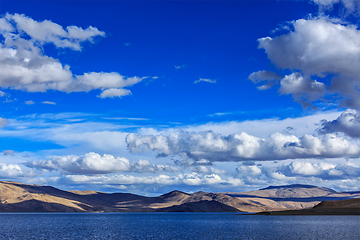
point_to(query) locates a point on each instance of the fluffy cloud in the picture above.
(23, 65)
(321, 49)
(114, 92)
(12, 171)
(242, 146)
(302, 88)
(348, 122)
(93, 163)
(321, 170)
(49, 32)
(297, 171)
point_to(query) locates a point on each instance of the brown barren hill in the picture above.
(19, 197)
(340, 207)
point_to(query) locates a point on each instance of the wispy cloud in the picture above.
(30, 102)
(177, 67)
(126, 118)
(219, 114)
(48, 102)
(205, 80)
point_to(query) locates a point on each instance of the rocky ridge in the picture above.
(18, 197)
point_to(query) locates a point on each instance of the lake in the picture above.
(175, 226)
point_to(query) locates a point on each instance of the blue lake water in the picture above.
(175, 226)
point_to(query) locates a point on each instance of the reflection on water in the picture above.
(175, 226)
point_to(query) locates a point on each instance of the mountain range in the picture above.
(19, 197)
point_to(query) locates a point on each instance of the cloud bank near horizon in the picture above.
(242, 146)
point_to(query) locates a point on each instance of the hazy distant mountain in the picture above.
(340, 207)
(288, 191)
(18, 197)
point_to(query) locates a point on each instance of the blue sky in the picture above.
(152, 96)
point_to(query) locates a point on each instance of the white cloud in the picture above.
(30, 102)
(8, 152)
(114, 92)
(205, 80)
(307, 171)
(93, 163)
(48, 102)
(12, 171)
(295, 83)
(190, 179)
(302, 88)
(218, 114)
(318, 48)
(325, 2)
(80, 133)
(351, 6)
(179, 66)
(321, 170)
(3, 122)
(49, 32)
(348, 122)
(204, 169)
(249, 170)
(2, 94)
(269, 79)
(242, 146)
(262, 128)
(23, 65)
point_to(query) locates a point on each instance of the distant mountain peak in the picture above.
(173, 193)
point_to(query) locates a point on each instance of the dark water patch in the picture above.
(175, 226)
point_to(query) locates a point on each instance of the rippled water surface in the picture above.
(175, 226)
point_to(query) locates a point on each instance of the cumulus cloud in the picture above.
(348, 122)
(242, 146)
(93, 163)
(205, 80)
(318, 50)
(321, 170)
(305, 171)
(24, 66)
(302, 88)
(10, 171)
